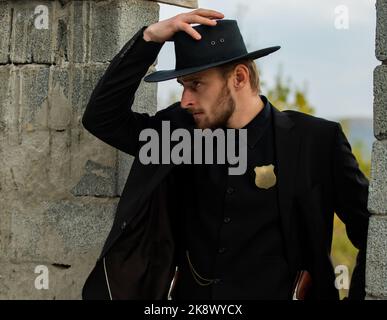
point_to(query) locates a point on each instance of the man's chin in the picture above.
(200, 124)
(201, 127)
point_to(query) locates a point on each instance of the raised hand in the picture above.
(164, 30)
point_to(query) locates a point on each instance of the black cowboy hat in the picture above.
(219, 45)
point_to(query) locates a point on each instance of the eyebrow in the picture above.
(189, 80)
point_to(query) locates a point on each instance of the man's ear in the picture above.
(239, 77)
(241, 74)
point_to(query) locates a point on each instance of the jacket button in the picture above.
(227, 219)
(123, 225)
(221, 250)
(217, 281)
(230, 190)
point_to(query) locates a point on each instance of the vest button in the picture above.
(221, 250)
(230, 190)
(227, 219)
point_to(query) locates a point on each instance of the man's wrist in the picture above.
(148, 37)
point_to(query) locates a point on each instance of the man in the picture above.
(231, 237)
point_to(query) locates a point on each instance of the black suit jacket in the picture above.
(317, 176)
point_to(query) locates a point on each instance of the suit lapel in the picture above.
(287, 144)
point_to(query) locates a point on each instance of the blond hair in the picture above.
(227, 69)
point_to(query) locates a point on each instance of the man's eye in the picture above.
(196, 84)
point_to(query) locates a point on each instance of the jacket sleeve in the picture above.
(351, 197)
(108, 114)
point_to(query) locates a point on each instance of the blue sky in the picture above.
(336, 66)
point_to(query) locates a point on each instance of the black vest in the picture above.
(231, 228)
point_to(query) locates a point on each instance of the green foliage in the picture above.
(358, 151)
(364, 165)
(284, 97)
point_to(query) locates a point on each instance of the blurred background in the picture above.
(324, 68)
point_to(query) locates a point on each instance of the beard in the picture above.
(221, 111)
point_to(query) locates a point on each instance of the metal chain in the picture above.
(197, 275)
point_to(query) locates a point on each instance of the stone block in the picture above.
(78, 30)
(97, 181)
(65, 282)
(60, 113)
(25, 167)
(31, 96)
(52, 165)
(84, 80)
(377, 199)
(59, 231)
(85, 147)
(129, 17)
(59, 160)
(5, 27)
(376, 268)
(61, 54)
(49, 164)
(380, 102)
(381, 30)
(7, 81)
(33, 27)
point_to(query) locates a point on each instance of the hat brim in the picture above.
(164, 75)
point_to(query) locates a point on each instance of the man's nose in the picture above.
(187, 100)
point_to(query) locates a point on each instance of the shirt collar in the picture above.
(257, 126)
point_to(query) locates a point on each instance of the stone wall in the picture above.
(376, 272)
(59, 185)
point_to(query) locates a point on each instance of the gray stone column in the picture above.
(376, 272)
(59, 185)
